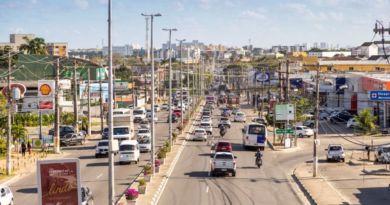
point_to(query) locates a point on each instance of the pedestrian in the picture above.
(23, 149)
(29, 147)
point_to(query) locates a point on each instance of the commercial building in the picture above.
(57, 49)
(15, 40)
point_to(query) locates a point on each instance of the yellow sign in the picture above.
(45, 89)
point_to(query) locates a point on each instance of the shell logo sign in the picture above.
(46, 89)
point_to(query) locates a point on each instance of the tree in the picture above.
(4, 52)
(366, 121)
(36, 46)
(18, 132)
(302, 106)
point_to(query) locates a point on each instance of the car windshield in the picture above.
(144, 140)
(240, 114)
(199, 131)
(138, 112)
(204, 125)
(143, 131)
(121, 131)
(223, 156)
(223, 144)
(386, 149)
(126, 147)
(256, 129)
(103, 144)
(335, 148)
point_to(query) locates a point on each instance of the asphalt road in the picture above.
(94, 172)
(191, 183)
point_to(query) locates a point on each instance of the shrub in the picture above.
(174, 136)
(142, 182)
(38, 143)
(157, 163)
(3, 147)
(147, 169)
(131, 194)
(162, 153)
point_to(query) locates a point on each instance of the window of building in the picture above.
(377, 68)
(350, 68)
(329, 68)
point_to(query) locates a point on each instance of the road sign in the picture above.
(380, 95)
(285, 112)
(284, 131)
(262, 77)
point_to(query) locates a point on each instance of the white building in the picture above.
(328, 54)
(367, 49)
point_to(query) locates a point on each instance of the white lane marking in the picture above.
(100, 175)
(207, 189)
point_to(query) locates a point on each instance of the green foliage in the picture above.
(142, 182)
(4, 52)
(147, 169)
(18, 132)
(366, 121)
(36, 46)
(302, 106)
(124, 73)
(38, 143)
(3, 147)
(32, 119)
(67, 118)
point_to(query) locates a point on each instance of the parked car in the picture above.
(303, 131)
(352, 123)
(72, 139)
(260, 120)
(382, 154)
(164, 106)
(86, 196)
(64, 130)
(198, 134)
(101, 148)
(6, 196)
(224, 121)
(223, 162)
(223, 147)
(335, 152)
(240, 117)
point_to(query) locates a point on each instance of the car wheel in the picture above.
(96, 156)
(327, 159)
(234, 174)
(343, 160)
(212, 173)
(300, 135)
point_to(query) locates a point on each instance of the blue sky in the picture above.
(82, 23)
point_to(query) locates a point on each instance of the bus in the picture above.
(254, 135)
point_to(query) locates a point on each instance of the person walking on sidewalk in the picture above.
(23, 149)
(29, 148)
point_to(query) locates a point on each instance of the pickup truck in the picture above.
(72, 139)
(223, 162)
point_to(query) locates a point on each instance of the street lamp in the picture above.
(341, 88)
(170, 82)
(181, 81)
(152, 103)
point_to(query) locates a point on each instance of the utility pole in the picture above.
(147, 40)
(170, 83)
(152, 96)
(89, 102)
(111, 173)
(9, 126)
(315, 158)
(188, 80)
(101, 104)
(281, 98)
(181, 81)
(57, 110)
(75, 111)
(287, 81)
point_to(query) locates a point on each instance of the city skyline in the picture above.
(82, 23)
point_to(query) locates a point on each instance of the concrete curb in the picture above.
(303, 189)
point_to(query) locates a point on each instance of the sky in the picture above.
(83, 23)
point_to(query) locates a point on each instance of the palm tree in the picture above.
(18, 132)
(36, 46)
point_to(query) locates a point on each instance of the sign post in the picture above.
(59, 182)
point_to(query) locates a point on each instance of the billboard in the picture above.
(262, 77)
(46, 92)
(284, 112)
(59, 182)
(95, 91)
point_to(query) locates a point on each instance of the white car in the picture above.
(165, 106)
(144, 124)
(156, 108)
(101, 148)
(303, 131)
(143, 132)
(206, 119)
(352, 123)
(6, 195)
(335, 152)
(240, 117)
(144, 144)
(207, 126)
(199, 134)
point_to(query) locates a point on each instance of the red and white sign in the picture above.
(59, 182)
(46, 92)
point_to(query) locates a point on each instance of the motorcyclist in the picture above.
(258, 155)
(222, 130)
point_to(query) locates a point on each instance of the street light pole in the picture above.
(315, 157)
(188, 80)
(10, 108)
(170, 83)
(111, 187)
(152, 103)
(181, 81)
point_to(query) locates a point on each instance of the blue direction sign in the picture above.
(380, 95)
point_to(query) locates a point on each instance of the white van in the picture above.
(129, 151)
(254, 135)
(139, 114)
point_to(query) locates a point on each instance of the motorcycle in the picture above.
(259, 161)
(222, 131)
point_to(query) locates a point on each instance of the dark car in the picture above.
(341, 117)
(223, 147)
(174, 118)
(72, 139)
(64, 130)
(105, 133)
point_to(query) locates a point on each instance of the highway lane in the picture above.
(94, 172)
(190, 182)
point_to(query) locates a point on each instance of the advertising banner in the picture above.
(285, 112)
(59, 182)
(46, 92)
(95, 91)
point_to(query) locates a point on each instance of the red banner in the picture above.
(59, 182)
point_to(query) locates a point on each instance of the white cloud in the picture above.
(179, 6)
(256, 14)
(308, 14)
(82, 4)
(205, 4)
